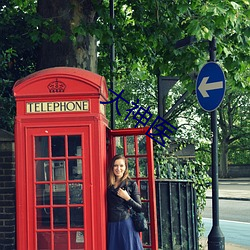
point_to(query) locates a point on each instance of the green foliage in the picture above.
(6, 99)
(17, 55)
(234, 118)
(15, 29)
(147, 31)
(7, 106)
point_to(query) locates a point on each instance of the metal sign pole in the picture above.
(112, 61)
(216, 240)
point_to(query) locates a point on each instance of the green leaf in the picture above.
(235, 5)
(194, 28)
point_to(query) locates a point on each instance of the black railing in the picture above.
(176, 210)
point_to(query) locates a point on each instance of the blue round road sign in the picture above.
(210, 86)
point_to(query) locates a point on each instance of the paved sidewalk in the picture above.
(230, 194)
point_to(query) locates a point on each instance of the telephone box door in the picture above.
(138, 149)
(59, 188)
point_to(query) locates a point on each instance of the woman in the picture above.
(122, 195)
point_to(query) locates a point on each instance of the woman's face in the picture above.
(119, 168)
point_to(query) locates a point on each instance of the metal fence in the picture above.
(176, 209)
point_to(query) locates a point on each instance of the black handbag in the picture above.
(140, 222)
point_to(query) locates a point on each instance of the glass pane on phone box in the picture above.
(75, 193)
(61, 240)
(130, 145)
(75, 169)
(131, 167)
(59, 194)
(77, 240)
(42, 171)
(44, 240)
(76, 217)
(144, 190)
(42, 194)
(41, 146)
(58, 146)
(142, 144)
(74, 145)
(60, 217)
(45, 194)
(119, 145)
(43, 218)
(143, 163)
(58, 170)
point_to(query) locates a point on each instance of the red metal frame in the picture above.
(135, 132)
(90, 123)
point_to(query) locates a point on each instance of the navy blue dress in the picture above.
(121, 231)
(122, 236)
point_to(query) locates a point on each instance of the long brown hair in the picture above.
(111, 175)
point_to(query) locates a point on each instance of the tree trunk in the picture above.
(223, 166)
(75, 49)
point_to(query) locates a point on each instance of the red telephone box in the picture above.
(61, 160)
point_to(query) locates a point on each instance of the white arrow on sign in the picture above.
(204, 86)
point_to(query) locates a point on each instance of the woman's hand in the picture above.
(123, 194)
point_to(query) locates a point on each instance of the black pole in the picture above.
(112, 61)
(216, 240)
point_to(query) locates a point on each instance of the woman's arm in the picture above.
(133, 200)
